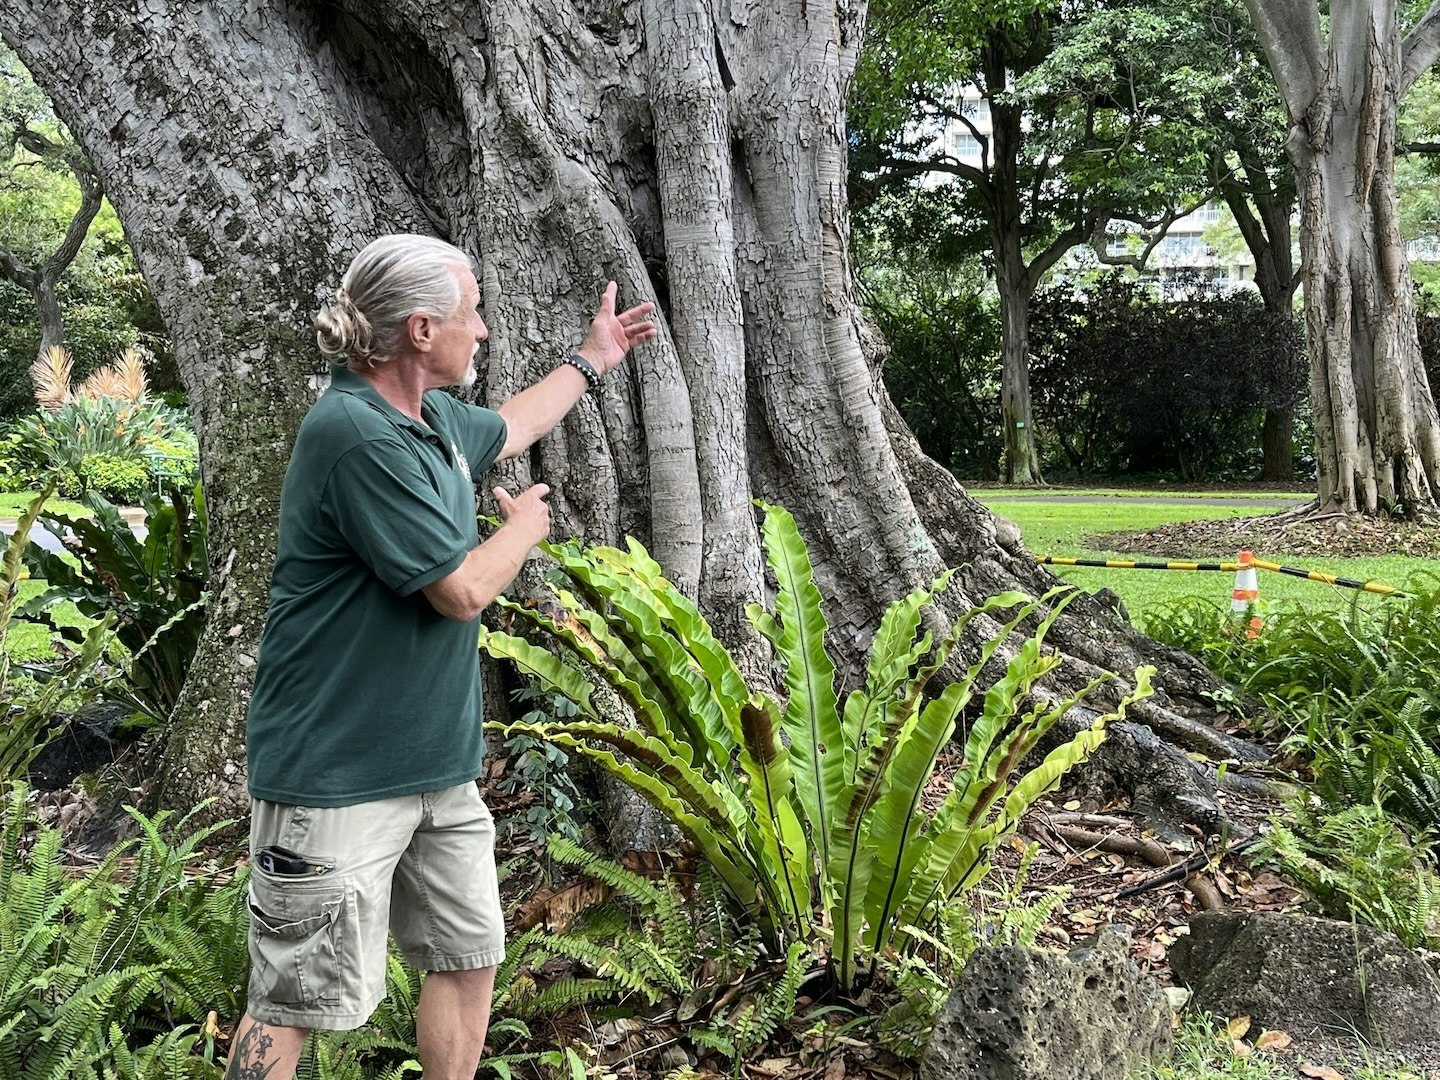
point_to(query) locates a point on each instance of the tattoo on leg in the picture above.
(247, 1057)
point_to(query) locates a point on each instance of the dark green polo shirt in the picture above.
(363, 690)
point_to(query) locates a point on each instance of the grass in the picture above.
(1204, 1052)
(13, 504)
(1061, 529)
(985, 492)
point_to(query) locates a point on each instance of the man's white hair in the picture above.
(392, 279)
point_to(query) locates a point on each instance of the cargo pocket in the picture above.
(297, 936)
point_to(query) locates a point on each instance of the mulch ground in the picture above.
(1332, 535)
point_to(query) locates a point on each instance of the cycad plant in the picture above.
(820, 832)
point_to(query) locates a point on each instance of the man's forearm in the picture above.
(484, 575)
(533, 413)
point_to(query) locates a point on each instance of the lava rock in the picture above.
(1308, 976)
(1022, 1014)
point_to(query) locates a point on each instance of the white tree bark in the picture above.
(1377, 431)
(694, 150)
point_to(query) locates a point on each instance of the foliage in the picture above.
(152, 589)
(540, 768)
(1359, 863)
(91, 966)
(1357, 685)
(116, 479)
(834, 821)
(26, 715)
(942, 338)
(1125, 380)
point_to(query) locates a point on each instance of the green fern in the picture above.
(1359, 863)
(807, 809)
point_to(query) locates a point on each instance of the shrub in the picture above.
(117, 479)
(1356, 686)
(834, 821)
(1359, 863)
(153, 589)
(1125, 380)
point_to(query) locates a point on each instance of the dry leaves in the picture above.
(1319, 1072)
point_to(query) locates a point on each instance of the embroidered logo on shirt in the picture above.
(460, 460)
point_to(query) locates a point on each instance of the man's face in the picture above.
(459, 338)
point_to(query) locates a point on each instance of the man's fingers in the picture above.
(539, 490)
(607, 299)
(634, 314)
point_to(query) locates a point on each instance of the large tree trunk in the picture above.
(1376, 429)
(693, 151)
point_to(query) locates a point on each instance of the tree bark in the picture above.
(695, 152)
(1266, 230)
(1012, 279)
(1376, 428)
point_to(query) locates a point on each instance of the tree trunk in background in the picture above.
(1277, 445)
(693, 151)
(1012, 279)
(1376, 429)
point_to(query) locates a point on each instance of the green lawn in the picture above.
(14, 504)
(1060, 529)
(986, 492)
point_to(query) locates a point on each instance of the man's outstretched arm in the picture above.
(531, 414)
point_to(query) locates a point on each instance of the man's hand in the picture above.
(529, 513)
(611, 336)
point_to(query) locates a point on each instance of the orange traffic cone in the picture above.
(1246, 593)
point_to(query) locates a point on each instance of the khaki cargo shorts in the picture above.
(419, 866)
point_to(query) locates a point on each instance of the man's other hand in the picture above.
(528, 512)
(611, 336)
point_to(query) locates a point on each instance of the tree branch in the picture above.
(911, 167)
(1072, 237)
(90, 198)
(1290, 33)
(12, 269)
(1420, 48)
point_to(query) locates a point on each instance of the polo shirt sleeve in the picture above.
(386, 509)
(483, 432)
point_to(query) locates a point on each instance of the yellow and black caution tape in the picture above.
(1375, 587)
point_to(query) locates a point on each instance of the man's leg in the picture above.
(450, 1028)
(264, 1051)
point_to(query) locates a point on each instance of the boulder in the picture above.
(1311, 977)
(1022, 1014)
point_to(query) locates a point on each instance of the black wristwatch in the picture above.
(580, 364)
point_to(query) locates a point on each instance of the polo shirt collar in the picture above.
(345, 380)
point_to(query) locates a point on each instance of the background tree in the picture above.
(1056, 166)
(1376, 429)
(1204, 73)
(695, 153)
(97, 303)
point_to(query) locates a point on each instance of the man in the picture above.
(364, 735)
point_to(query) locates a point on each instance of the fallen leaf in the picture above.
(1273, 1040)
(1237, 1027)
(835, 1070)
(773, 1066)
(1241, 1048)
(1319, 1072)
(1073, 804)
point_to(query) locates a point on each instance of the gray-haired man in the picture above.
(364, 729)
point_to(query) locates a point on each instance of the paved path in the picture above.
(50, 542)
(1258, 501)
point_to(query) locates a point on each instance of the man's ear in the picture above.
(420, 329)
